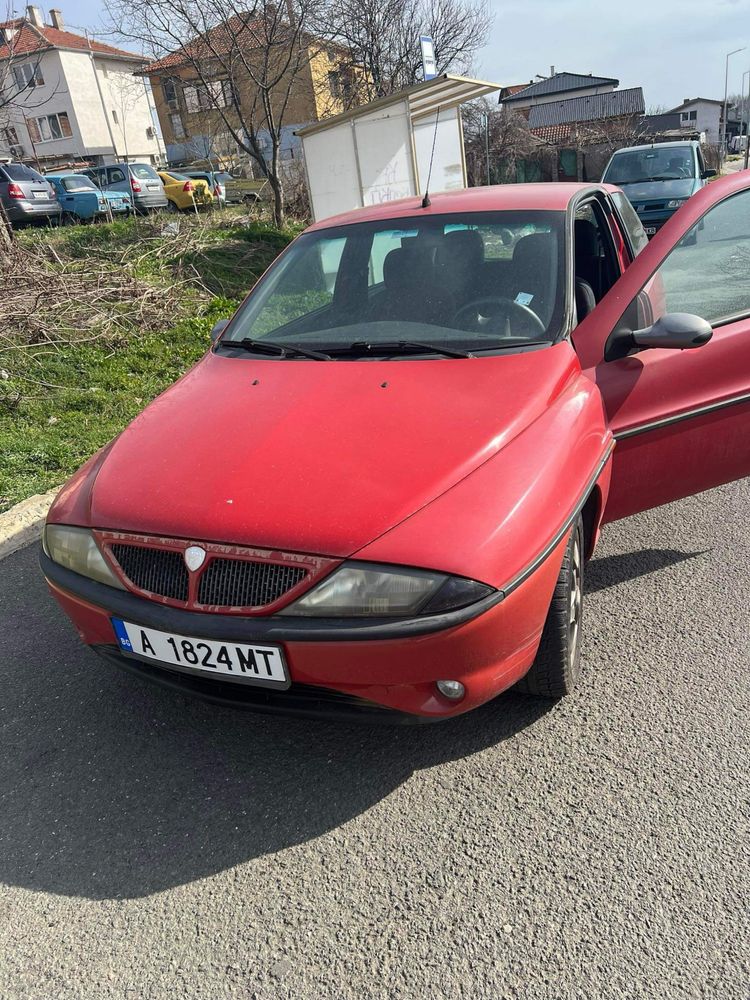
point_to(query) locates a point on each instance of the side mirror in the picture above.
(680, 331)
(708, 172)
(219, 327)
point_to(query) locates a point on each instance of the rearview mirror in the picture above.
(219, 327)
(708, 172)
(681, 331)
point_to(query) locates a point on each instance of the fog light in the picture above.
(454, 690)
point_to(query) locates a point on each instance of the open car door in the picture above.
(680, 417)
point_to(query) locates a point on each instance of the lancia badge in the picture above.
(194, 557)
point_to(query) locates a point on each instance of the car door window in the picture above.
(595, 259)
(115, 175)
(707, 274)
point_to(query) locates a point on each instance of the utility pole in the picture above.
(486, 122)
(723, 145)
(747, 115)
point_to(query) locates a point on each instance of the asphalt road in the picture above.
(596, 848)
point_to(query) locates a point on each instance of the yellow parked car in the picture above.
(184, 192)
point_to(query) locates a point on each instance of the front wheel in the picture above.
(557, 666)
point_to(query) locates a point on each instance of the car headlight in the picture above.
(370, 590)
(676, 202)
(76, 549)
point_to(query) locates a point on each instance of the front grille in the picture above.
(158, 571)
(243, 584)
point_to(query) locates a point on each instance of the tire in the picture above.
(69, 219)
(557, 666)
(171, 207)
(250, 199)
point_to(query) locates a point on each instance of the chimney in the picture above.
(55, 16)
(552, 71)
(34, 15)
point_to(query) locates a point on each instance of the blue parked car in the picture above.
(658, 178)
(82, 201)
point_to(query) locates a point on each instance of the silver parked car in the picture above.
(139, 180)
(27, 196)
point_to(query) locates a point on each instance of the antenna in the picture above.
(426, 200)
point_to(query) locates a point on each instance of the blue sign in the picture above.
(429, 65)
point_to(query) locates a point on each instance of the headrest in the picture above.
(463, 246)
(534, 250)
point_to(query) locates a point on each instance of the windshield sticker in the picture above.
(524, 298)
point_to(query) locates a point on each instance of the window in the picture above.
(663, 163)
(707, 273)
(178, 129)
(49, 127)
(115, 119)
(10, 136)
(482, 281)
(143, 172)
(334, 85)
(115, 175)
(28, 75)
(630, 221)
(169, 90)
(78, 183)
(217, 94)
(20, 172)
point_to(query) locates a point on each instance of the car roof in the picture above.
(551, 197)
(657, 145)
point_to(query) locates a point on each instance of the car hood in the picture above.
(659, 190)
(318, 457)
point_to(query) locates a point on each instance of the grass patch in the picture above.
(73, 375)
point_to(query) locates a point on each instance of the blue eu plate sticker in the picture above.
(122, 635)
(523, 298)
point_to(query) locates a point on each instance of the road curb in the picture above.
(23, 523)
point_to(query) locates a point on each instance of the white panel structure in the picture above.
(333, 171)
(448, 163)
(382, 151)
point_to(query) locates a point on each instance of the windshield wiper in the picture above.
(403, 347)
(282, 350)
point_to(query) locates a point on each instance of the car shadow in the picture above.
(612, 570)
(111, 787)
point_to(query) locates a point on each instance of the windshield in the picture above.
(469, 283)
(20, 172)
(143, 172)
(666, 163)
(223, 177)
(173, 175)
(78, 184)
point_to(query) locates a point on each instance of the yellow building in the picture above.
(201, 89)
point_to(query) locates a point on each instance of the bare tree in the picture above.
(493, 134)
(382, 37)
(244, 64)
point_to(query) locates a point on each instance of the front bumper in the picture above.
(356, 664)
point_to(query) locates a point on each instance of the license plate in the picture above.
(649, 230)
(41, 194)
(262, 665)
(152, 186)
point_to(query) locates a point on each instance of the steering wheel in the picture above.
(492, 314)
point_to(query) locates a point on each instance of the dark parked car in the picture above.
(139, 180)
(658, 178)
(26, 195)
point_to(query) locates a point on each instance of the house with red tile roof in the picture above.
(73, 99)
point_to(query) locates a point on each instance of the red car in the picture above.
(377, 491)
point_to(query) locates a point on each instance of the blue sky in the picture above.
(672, 49)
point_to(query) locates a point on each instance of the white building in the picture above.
(702, 114)
(72, 99)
